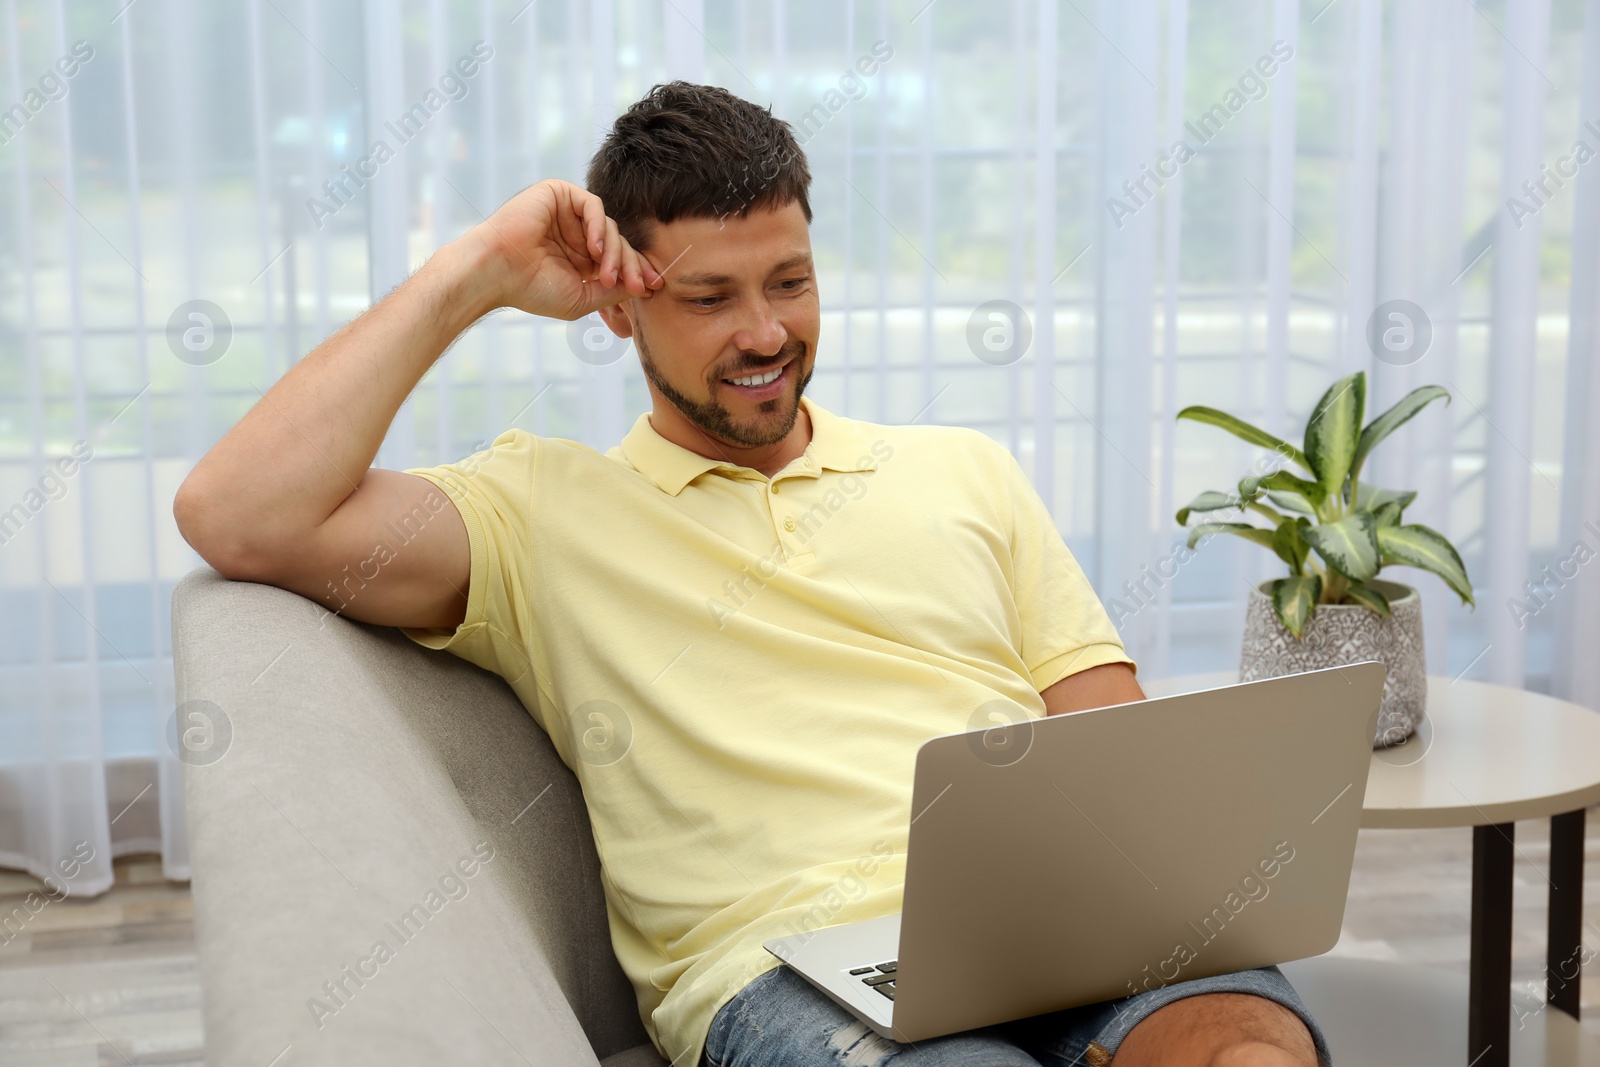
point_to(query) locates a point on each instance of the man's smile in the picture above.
(763, 385)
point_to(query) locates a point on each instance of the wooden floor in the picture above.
(112, 981)
(1411, 899)
(104, 982)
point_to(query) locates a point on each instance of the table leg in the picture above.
(1489, 979)
(1563, 970)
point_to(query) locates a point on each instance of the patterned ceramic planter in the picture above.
(1347, 633)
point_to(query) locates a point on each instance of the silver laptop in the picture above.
(1077, 858)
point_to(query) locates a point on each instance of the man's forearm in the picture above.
(306, 445)
(1096, 687)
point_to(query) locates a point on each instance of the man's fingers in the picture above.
(611, 260)
(579, 231)
(593, 211)
(633, 268)
(567, 226)
(629, 277)
(598, 294)
(652, 277)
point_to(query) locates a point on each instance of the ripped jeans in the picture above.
(781, 1020)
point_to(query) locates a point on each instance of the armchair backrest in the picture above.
(363, 778)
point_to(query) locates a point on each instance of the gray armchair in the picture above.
(362, 780)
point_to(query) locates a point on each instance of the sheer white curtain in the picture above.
(1340, 155)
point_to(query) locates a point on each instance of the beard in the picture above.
(717, 421)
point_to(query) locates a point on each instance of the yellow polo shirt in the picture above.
(740, 669)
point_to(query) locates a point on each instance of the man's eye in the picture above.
(793, 283)
(705, 301)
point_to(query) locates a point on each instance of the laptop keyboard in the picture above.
(879, 976)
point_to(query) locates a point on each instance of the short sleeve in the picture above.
(1065, 628)
(493, 491)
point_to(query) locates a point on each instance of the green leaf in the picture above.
(1238, 529)
(1290, 544)
(1291, 501)
(1334, 430)
(1350, 546)
(1294, 599)
(1210, 500)
(1244, 431)
(1390, 420)
(1419, 546)
(1284, 482)
(1250, 487)
(1387, 513)
(1372, 498)
(1370, 597)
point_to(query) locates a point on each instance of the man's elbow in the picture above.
(216, 537)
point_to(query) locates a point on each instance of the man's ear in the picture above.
(617, 319)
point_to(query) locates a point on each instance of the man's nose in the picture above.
(763, 333)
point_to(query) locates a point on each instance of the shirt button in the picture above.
(788, 524)
(774, 487)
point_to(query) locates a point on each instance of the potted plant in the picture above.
(1335, 533)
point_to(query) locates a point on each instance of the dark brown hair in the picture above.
(695, 151)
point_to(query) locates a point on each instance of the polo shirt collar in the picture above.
(837, 444)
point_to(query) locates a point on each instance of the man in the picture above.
(737, 626)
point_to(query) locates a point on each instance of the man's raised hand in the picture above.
(289, 496)
(554, 252)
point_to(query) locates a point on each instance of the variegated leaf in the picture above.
(1349, 546)
(1387, 513)
(1283, 482)
(1244, 431)
(1238, 529)
(1370, 597)
(1294, 599)
(1290, 501)
(1210, 500)
(1289, 543)
(1334, 430)
(1371, 497)
(1390, 420)
(1420, 546)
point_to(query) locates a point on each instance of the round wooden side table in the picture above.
(1485, 756)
